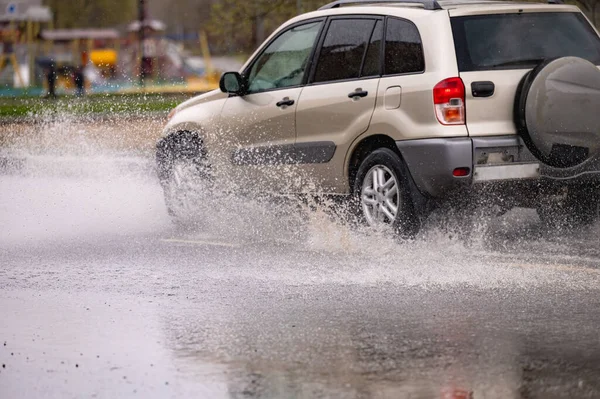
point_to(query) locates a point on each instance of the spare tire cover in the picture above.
(558, 111)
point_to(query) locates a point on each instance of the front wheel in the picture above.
(184, 176)
(383, 193)
(184, 190)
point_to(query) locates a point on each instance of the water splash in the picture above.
(68, 180)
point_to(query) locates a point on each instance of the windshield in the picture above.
(510, 41)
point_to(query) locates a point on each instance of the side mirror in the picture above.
(232, 83)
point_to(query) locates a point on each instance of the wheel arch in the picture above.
(184, 140)
(361, 149)
(180, 127)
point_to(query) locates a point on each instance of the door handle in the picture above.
(286, 102)
(358, 93)
(483, 89)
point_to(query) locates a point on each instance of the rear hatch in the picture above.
(494, 52)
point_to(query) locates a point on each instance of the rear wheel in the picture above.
(382, 193)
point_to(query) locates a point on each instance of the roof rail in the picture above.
(556, 2)
(427, 4)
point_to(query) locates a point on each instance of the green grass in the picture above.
(114, 104)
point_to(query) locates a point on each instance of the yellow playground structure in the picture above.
(111, 60)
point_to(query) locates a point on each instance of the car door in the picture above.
(258, 129)
(337, 104)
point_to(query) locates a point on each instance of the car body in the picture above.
(436, 84)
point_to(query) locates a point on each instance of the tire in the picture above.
(556, 111)
(382, 193)
(575, 210)
(184, 176)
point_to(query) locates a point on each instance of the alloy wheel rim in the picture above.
(184, 173)
(179, 173)
(380, 196)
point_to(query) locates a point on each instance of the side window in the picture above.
(343, 49)
(403, 48)
(372, 65)
(283, 63)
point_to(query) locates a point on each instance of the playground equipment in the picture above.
(112, 61)
(19, 27)
(9, 37)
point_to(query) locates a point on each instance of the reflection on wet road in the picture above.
(100, 296)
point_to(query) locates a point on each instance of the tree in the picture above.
(182, 17)
(239, 25)
(591, 6)
(92, 13)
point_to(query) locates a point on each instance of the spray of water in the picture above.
(64, 177)
(67, 178)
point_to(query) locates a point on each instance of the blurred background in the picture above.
(51, 48)
(76, 47)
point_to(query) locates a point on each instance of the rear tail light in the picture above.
(449, 101)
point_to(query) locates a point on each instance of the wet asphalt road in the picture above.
(100, 296)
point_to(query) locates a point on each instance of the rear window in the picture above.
(514, 41)
(403, 48)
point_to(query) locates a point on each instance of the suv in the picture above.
(402, 105)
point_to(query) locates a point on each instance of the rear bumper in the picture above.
(499, 160)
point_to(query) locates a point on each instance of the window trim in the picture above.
(362, 66)
(386, 75)
(266, 45)
(319, 47)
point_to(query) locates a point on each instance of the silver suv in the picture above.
(403, 105)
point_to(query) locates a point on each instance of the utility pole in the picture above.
(142, 37)
(299, 6)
